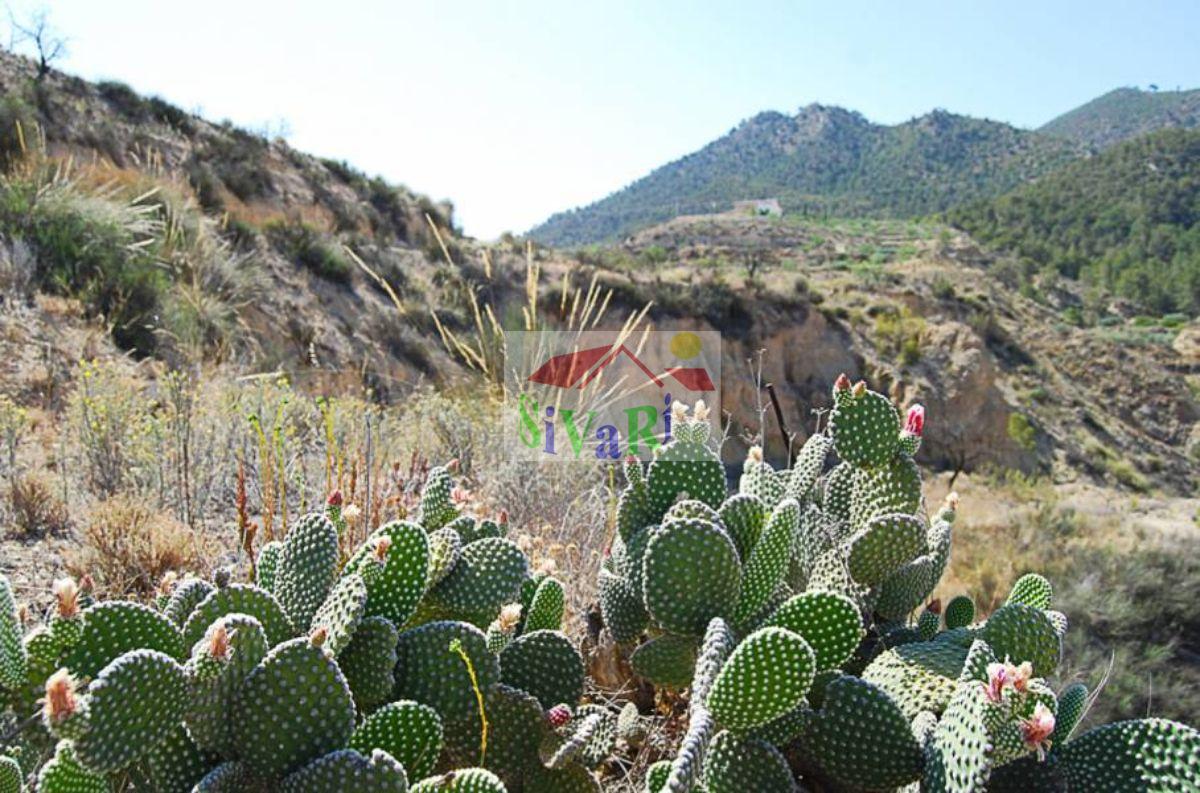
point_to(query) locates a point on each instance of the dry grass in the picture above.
(127, 548)
(35, 508)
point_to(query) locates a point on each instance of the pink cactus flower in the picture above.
(335, 499)
(1036, 731)
(914, 422)
(1020, 676)
(998, 678)
(842, 382)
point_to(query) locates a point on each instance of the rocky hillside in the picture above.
(193, 244)
(823, 161)
(926, 314)
(1125, 113)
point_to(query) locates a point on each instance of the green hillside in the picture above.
(1126, 113)
(1126, 219)
(827, 161)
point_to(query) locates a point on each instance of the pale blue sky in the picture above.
(515, 110)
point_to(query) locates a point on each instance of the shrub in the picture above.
(36, 510)
(127, 546)
(90, 248)
(1021, 431)
(18, 121)
(305, 246)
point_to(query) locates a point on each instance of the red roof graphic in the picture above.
(577, 369)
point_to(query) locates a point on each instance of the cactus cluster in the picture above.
(796, 614)
(431, 658)
(797, 610)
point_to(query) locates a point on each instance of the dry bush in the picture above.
(127, 547)
(36, 510)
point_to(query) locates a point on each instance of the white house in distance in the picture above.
(761, 207)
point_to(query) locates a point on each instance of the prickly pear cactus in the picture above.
(839, 659)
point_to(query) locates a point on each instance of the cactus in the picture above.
(307, 568)
(468, 780)
(133, 703)
(113, 628)
(691, 573)
(546, 607)
(12, 650)
(406, 730)
(184, 598)
(64, 774)
(766, 676)
(294, 707)
(488, 574)
(220, 662)
(239, 599)
(346, 769)
(546, 665)
(666, 660)
(437, 506)
(734, 765)
(369, 662)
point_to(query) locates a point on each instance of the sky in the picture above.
(515, 110)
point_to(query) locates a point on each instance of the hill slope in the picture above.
(824, 160)
(1128, 219)
(1126, 113)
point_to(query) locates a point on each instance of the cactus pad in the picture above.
(546, 608)
(1032, 589)
(668, 660)
(428, 671)
(865, 428)
(546, 665)
(920, 676)
(958, 757)
(766, 676)
(488, 575)
(341, 612)
(396, 590)
(1140, 755)
(883, 545)
(406, 730)
(12, 650)
(1024, 633)
(267, 565)
(960, 612)
(444, 548)
(691, 573)
(132, 704)
(295, 707)
(369, 661)
(307, 568)
(829, 622)
(861, 738)
(684, 466)
(215, 681)
(734, 765)
(743, 516)
(64, 774)
(115, 627)
(465, 780)
(1072, 702)
(184, 599)
(239, 599)
(764, 569)
(347, 770)
(622, 609)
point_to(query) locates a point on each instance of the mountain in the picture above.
(1128, 219)
(1126, 113)
(824, 160)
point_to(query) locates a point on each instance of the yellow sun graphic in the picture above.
(685, 345)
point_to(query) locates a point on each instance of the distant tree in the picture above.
(45, 39)
(1153, 87)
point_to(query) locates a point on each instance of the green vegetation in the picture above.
(824, 161)
(305, 246)
(1126, 113)
(1127, 220)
